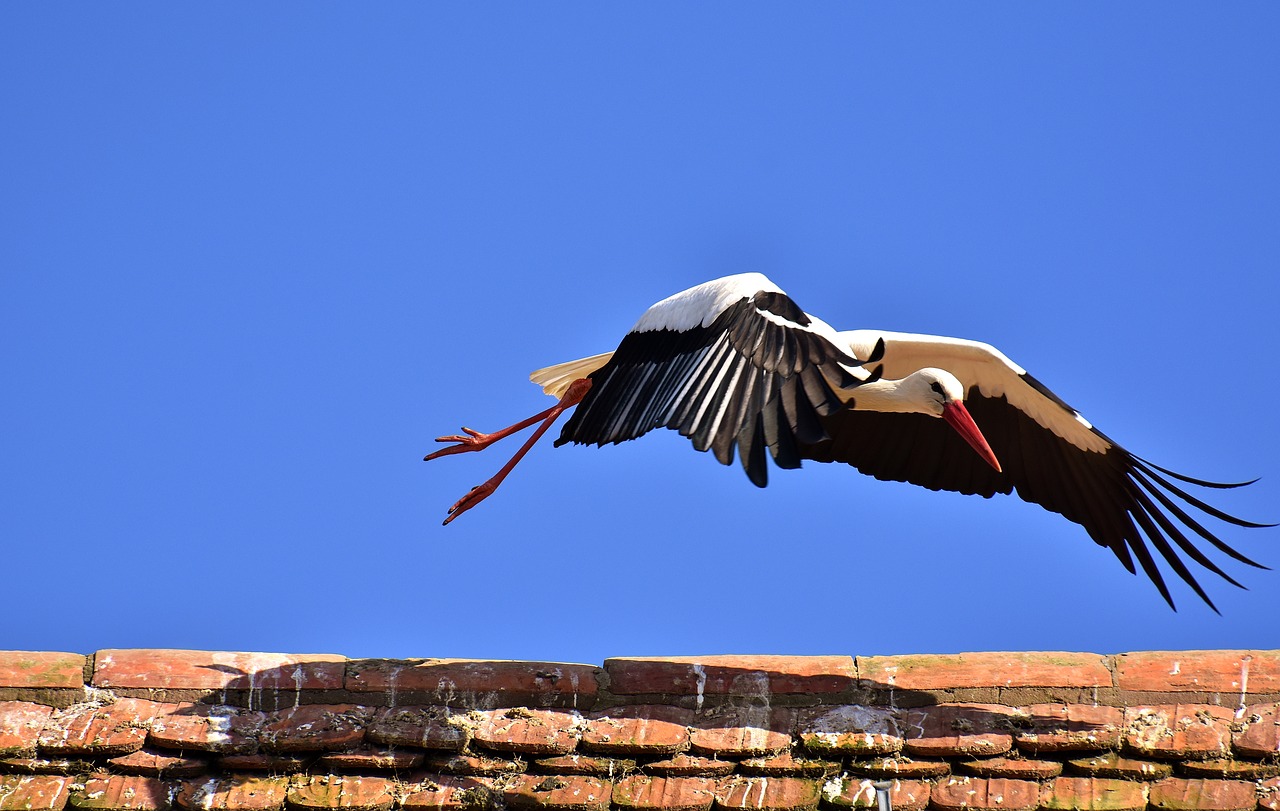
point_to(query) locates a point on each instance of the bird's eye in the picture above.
(936, 386)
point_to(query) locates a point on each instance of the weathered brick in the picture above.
(33, 792)
(233, 793)
(689, 766)
(1178, 730)
(851, 730)
(40, 765)
(342, 791)
(787, 765)
(1259, 737)
(218, 670)
(425, 727)
(1269, 794)
(158, 764)
(1092, 794)
(1015, 769)
(122, 793)
(89, 729)
(314, 728)
(585, 764)
(1228, 769)
(20, 725)
(950, 730)
(750, 732)
(529, 732)
(34, 669)
(903, 768)
(1123, 768)
(1178, 794)
(473, 765)
(479, 683)
(986, 793)
(559, 793)
(443, 792)
(904, 795)
(1218, 671)
(947, 672)
(736, 675)
(768, 793)
(369, 759)
(664, 793)
(1068, 728)
(205, 728)
(649, 730)
(261, 762)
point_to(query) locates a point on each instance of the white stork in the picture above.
(734, 363)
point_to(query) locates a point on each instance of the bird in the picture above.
(734, 364)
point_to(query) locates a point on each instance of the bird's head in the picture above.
(941, 394)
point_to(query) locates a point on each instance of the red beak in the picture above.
(957, 416)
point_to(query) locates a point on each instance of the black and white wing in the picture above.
(1050, 456)
(729, 363)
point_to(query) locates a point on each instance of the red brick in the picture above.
(442, 792)
(585, 764)
(904, 795)
(664, 793)
(110, 729)
(1113, 765)
(314, 728)
(19, 668)
(345, 792)
(529, 732)
(1269, 794)
(1011, 768)
(1228, 769)
(950, 730)
(689, 766)
(481, 682)
(120, 793)
(1091, 794)
(425, 727)
(217, 670)
(768, 793)
(736, 675)
(33, 792)
(1217, 671)
(649, 730)
(234, 793)
(1260, 735)
(1198, 731)
(38, 765)
(472, 765)
(276, 764)
(947, 672)
(900, 767)
(205, 728)
(20, 725)
(369, 759)
(787, 765)
(156, 764)
(851, 730)
(982, 792)
(1069, 728)
(559, 793)
(742, 732)
(1177, 794)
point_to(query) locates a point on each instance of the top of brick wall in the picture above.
(155, 730)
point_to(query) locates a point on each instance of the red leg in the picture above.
(472, 440)
(577, 390)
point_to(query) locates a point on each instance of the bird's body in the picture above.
(734, 364)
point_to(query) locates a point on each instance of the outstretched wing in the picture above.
(1050, 456)
(731, 363)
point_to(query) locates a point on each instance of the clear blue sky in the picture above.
(253, 259)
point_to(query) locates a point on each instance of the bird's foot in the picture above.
(468, 440)
(478, 494)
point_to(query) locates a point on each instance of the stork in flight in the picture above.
(735, 364)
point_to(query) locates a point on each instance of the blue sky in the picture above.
(256, 258)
